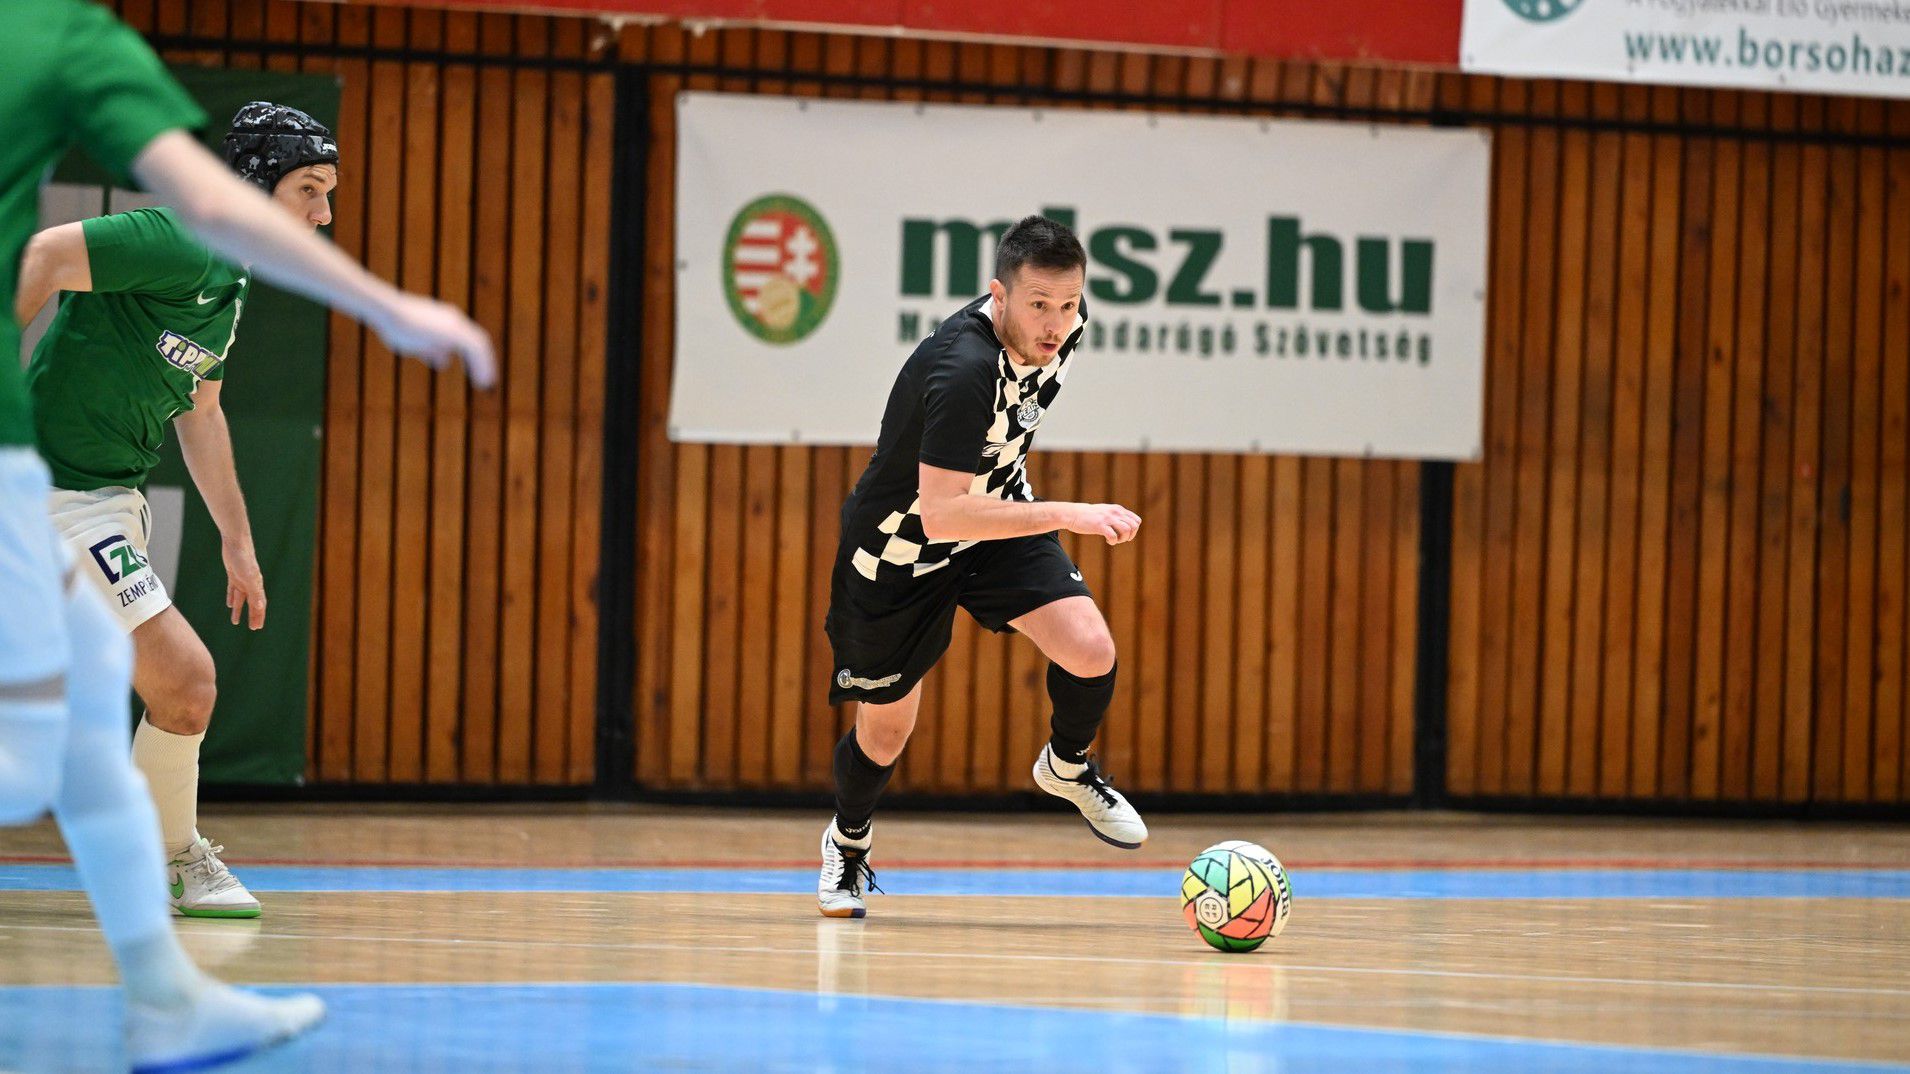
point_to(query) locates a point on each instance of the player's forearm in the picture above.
(969, 517)
(36, 285)
(205, 441)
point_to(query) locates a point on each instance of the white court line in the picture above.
(1842, 990)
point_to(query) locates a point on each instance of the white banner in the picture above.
(1252, 286)
(1816, 46)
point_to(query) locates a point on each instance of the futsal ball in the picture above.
(1235, 894)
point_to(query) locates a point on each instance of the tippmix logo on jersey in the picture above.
(780, 268)
(1543, 10)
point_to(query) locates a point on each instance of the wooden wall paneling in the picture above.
(1714, 503)
(1687, 445)
(1742, 603)
(659, 713)
(1401, 779)
(1187, 521)
(1867, 279)
(1284, 631)
(1343, 671)
(1834, 504)
(484, 463)
(1777, 414)
(1117, 579)
(754, 649)
(456, 152)
(557, 443)
(1467, 621)
(411, 503)
(720, 610)
(1807, 487)
(369, 537)
(1660, 350)
(1893, 438)
(1375, 632)
(1596, 430)
(1534, 401)
(1158, 625)
(521, 383)
(1314, 624)
(1245, 673)
(384, 169)
(1560, 490)
(1628, 346)
(593, 253)
(1220, 599)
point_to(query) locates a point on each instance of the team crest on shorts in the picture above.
(848, 680)
(780, 268)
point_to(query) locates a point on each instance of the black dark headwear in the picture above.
(267, 140)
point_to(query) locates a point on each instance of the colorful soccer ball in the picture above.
(1235, 894)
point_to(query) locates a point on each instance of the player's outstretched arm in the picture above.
(241, 223)
(952, 513)
(55, 260)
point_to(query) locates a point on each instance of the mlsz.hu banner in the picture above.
(1252, 285)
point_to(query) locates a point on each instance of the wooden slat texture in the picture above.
(1679, 571)
(457, 552)
(1737, 442)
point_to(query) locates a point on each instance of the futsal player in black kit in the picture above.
(944, 518)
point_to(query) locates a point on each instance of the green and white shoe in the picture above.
(200, 885)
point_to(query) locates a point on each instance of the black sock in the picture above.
(859, 782)
(1079, 705)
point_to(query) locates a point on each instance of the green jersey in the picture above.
(70, 73)
(122, 360)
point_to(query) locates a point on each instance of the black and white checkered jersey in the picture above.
(960, 404)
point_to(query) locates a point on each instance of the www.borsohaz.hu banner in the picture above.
(1816, 46)
(1252, 286)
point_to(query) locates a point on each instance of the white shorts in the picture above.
(33, 641)
(107, 530)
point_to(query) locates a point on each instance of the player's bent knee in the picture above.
(1091, 656)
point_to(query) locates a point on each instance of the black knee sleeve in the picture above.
(859, 782)
(1079, 705)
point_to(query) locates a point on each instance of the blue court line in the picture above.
(619, 1027)
(1070, 883)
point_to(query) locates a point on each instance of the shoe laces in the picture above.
(207, 866)
(856, 872)
(1093, 779)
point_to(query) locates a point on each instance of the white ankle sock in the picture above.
(171, 765)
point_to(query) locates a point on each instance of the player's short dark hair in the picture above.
(1040, 242)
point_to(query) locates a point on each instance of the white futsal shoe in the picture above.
(200, 885)
(221, 1025)
(845, 868)
(1109, 816)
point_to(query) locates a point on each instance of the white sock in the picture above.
(1064, 769)
(107, 816)
(170, 764)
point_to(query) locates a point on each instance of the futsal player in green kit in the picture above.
(145, 320)
(73, 75)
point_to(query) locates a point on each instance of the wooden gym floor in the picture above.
(615, 938)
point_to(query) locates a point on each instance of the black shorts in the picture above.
(887, 635)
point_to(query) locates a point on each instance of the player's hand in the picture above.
(1110, 521)
(244, 584)
(434, 333)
